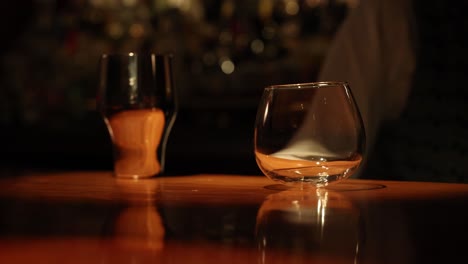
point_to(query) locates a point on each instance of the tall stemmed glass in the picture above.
(137, 100)
(308, 134)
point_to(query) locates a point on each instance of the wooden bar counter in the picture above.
(91, 217)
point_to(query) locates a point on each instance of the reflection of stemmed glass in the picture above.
(137, 100)
(320, 227)
(308, 134)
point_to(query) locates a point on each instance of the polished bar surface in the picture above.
(92, 217)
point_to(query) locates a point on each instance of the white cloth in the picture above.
(372, 51)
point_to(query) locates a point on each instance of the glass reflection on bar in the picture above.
(323, 226)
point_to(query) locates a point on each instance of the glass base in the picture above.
(133, 176)
(315, 181)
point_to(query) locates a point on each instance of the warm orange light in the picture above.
(136, 135)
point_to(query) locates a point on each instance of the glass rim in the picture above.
(307, 85)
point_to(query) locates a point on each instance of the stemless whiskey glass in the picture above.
(308, 134)
(137, 100)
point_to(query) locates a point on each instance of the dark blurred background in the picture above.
(226, 52)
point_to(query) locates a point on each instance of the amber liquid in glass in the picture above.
(315, 170)
(136, 135)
